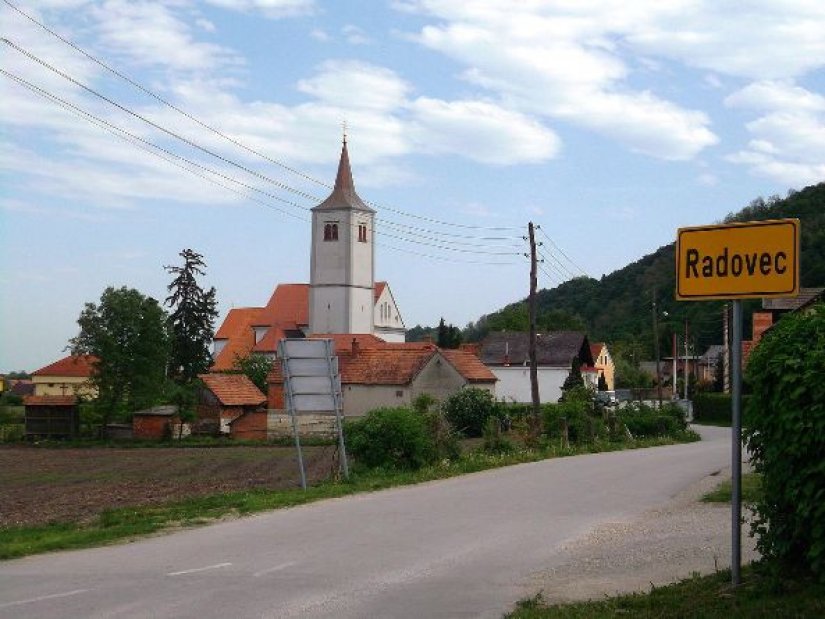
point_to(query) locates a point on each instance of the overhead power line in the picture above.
(561, 251)
(174, 159)
(223, 135)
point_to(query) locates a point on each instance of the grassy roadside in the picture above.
(751, 490)
(127, 523)
(708, 597)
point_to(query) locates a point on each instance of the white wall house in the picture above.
(514, 383)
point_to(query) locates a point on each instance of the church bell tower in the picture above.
(342, 276)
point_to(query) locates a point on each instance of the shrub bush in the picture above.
(714, 407)
(494, 440)
(583, 425)
(785, 433)
(469, 409)
(643, 421)
(390, 437)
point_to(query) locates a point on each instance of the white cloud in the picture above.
(319, 35)
(152, 34)
(481, 131)
(788, 138)
(788, 147)
(566, 62)
(355, 35)
(205, 24)
(776, 95)
(356, 84)
(273, 9)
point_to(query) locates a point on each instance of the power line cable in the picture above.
(136, 140)
(219, 133)
(561, 251)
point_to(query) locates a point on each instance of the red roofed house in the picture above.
(342, 295)
(68, 377)
(378, 374)
(226, 397)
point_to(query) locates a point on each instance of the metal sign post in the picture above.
(755, 259)
(736, 445)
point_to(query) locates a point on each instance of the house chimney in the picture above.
(506, 354)
(762, 321)
(427, 339)
(356, 348)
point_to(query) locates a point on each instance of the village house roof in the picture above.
(596, 349)
(806, 296)
(285, 315)
(555, 349)
(343, 195)
(49, 400)
(237, 332)
(165, 410)
(75, 366)
(368, 360)
(233, 389)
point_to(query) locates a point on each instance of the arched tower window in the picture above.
(330, 232)
(362, 233)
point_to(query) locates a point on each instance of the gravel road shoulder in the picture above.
(665, 545)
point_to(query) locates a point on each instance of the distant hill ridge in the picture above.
(617, 307)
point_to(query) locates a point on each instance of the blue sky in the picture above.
(609, 123)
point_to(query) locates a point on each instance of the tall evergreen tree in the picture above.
(449, 336)
(192, 321)
(126, 331)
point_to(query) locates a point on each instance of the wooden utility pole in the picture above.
(534, 375)
(656, 346)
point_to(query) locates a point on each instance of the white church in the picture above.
(342, 296)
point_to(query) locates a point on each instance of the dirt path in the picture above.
(665, 545)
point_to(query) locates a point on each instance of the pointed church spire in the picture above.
(343, 194)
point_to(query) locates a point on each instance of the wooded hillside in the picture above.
(617, 307)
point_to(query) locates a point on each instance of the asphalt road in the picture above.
(462, 547)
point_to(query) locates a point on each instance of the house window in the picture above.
(399, 394)
(330, 232)
(362, 233)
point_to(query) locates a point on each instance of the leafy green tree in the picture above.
(192, 321)
(784, 425)
(468, 409)
(126, 331)
(256, 367)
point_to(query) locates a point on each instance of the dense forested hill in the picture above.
(618, 307)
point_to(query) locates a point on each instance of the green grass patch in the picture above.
(707, 597)
(751, 490)
(126, 523)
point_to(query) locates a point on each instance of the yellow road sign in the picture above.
(738, 261)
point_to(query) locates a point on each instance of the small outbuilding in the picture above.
(225, 397)
(51, 416)
(158, 422)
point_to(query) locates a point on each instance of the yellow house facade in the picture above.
(68, 376)
(603, 362)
